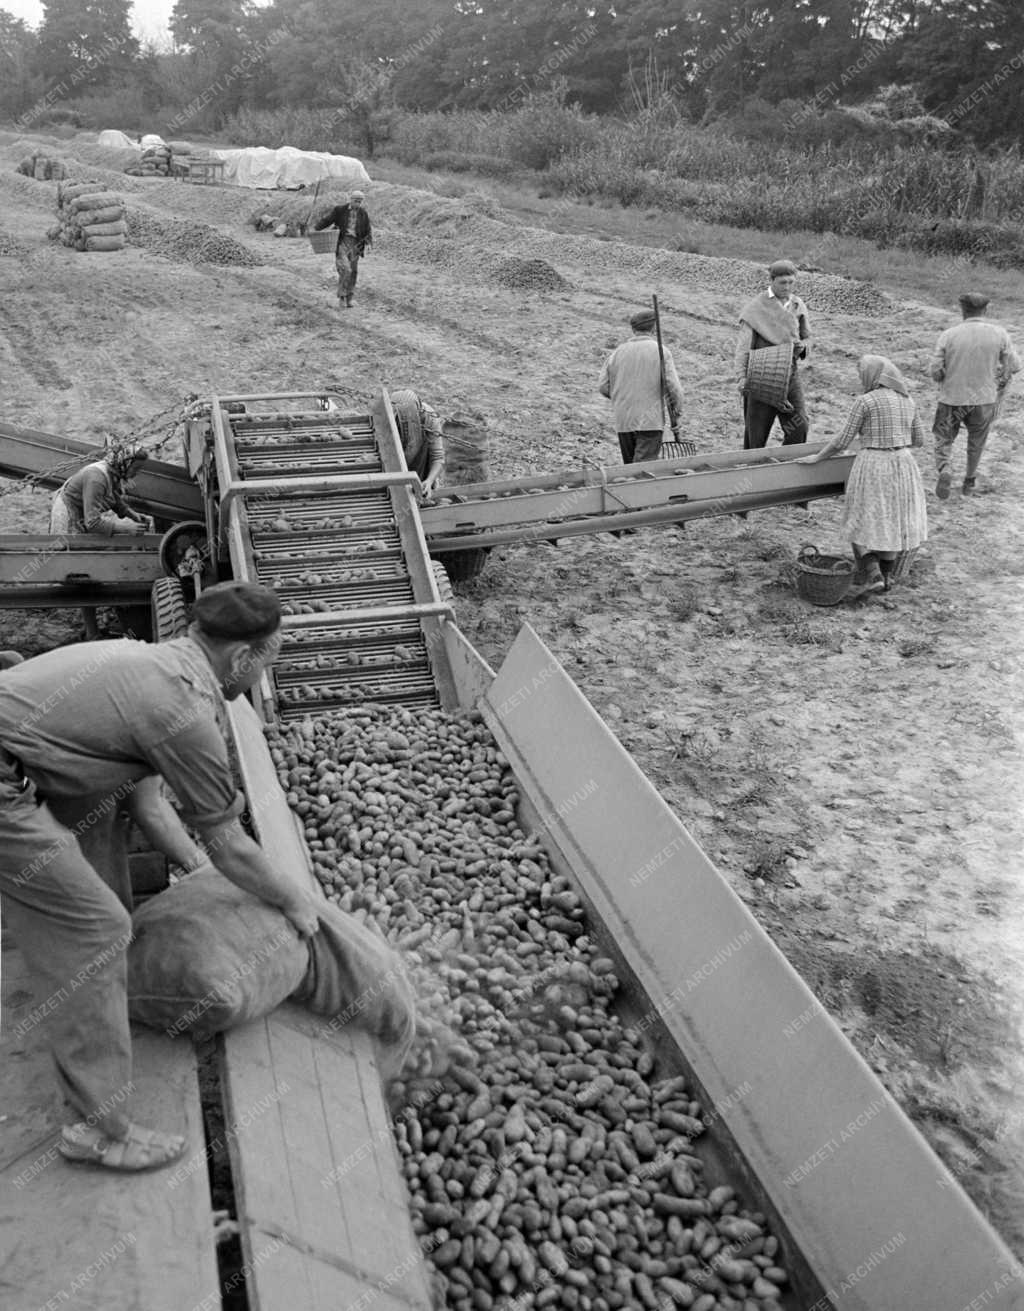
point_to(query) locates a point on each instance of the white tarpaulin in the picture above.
(287, 168)
(116, 140)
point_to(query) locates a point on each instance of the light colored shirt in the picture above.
(884, 419)
(631, 379)
(94, 719)
(972, 362)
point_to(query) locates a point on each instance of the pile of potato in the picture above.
(549, 1162)
(89, 217)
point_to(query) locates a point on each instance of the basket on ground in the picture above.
(768, 374)
(323, 242)
(822, 579)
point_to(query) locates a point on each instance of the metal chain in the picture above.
(148, 428)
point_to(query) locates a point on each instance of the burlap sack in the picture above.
(115, 229)
(206, 956)
(108, 214)
(104, 243)
(96, 200)
(69, 191)
(467, 449)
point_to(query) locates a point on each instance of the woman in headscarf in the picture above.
(885, 512)
(92, 501)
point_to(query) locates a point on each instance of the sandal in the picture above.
(142, 1149)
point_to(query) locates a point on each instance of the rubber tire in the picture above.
(170, 551)
(444, 586)
(170, 612)
(464, 566)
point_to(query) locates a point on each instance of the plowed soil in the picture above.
(855, 773)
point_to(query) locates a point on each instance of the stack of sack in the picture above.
(89, 217)
(42, 168)
(168, 159)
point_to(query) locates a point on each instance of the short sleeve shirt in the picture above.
(93, 719)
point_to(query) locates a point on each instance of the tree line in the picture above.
(959, 62)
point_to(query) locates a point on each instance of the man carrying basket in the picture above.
(355, 233)
(774, 335)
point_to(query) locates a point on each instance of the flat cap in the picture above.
(357, 195)
(782, 268)
(642, 320)
(238, 612)
(973, 300)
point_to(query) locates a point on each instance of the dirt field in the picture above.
(854, 773)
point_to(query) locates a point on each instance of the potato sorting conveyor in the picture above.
(320, 506)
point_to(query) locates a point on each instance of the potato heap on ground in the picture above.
(42, 167)
(186, 242)
(90, 217)
(549, 1162)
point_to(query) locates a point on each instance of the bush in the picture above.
(57, 116)
(453, 161)
(545, 130)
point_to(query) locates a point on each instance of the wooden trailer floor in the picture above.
(319, 1198)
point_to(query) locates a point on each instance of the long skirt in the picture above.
(885, 501)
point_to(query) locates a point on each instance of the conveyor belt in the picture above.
(348, 561)
(582, 501)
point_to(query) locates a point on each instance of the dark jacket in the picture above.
(338, 217)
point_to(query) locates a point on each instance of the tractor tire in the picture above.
(464, 566)
(170, 612)
(444, 586)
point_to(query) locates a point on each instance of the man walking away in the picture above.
(632, 381)
(973, 364)
(772, 318)
(355, 234)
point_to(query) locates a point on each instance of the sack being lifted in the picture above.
(207, 956)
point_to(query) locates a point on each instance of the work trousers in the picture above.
(346, 261)
(758, 417)
(977, 419)
(66, 896)
(645, 444)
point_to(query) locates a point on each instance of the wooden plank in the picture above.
(77, 1236)
(836, 1158)
(315, 1169)
(318, 1188)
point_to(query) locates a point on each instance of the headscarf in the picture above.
(877, 371)
(121, 456)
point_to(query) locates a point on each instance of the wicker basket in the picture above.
(768, 374)
(822, 579)
(323, 242)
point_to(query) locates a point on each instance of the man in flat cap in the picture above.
(973, 363)
(775, 317)
(86, 733)
(355, 234)
(632, 379)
